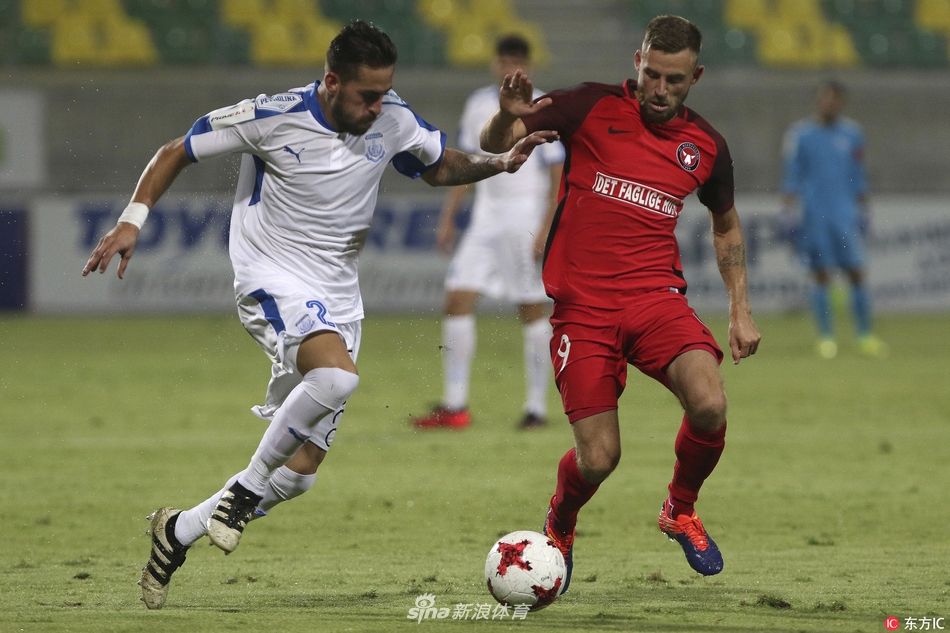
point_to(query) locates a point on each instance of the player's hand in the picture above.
(122, 240)
(445, 235)
(744, 337)
(516, 96)
(517, 155)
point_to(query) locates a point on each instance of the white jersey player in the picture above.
(311, 165)
(499, 256)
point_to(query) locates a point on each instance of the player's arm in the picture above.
(506, 128)
(729, 245)
(445, 231)
(461, 168)
(155, 180)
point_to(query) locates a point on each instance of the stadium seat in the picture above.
(283, 32)
(41, 14)
(241, 13)
(439, 13)
(95, 32)
(472, 26)
(933, 15)
(792, 33)
(747, 14)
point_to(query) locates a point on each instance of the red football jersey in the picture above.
(622, 191)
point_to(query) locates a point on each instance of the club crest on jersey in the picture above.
(375, 150)
(688, 156)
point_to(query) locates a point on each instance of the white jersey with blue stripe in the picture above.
(306, 193)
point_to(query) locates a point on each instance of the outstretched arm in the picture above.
(460, 168)
(506, 128)
(157, 177)
(729, 244)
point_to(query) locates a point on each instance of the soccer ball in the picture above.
(525, 568)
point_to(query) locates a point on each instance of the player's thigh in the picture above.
(325, 348)
(815, 247)
(848, 247)
(473, 265)
(662, 329)
(695, 379)
(518, 271)
(589, 369)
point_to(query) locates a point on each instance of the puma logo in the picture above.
(295, 154)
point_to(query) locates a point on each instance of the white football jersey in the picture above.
(521, 197)
(306, 193)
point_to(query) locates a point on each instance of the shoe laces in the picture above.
(694, 531)
(563, 541)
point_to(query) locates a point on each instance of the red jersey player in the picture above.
(612, 266)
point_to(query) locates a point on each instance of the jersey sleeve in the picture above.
(568, 108)
(239, 127)
(422, 143)
(718, 193)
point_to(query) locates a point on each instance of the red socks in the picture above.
(697, 453)
(572, 492)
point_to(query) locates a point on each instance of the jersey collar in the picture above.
(313, 104)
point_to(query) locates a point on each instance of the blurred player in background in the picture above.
(612, 267)
(312, 159)
(498, 256)
(824, 171)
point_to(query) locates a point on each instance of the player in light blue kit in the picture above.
(824, 171)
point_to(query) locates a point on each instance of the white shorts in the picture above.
(499, 264)
(279, 318)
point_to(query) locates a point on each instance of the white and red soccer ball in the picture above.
(525, 568)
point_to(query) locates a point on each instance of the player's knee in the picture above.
(708, 413)
(596, 464)
(330, 386)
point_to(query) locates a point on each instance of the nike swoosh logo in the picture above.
(613, 130)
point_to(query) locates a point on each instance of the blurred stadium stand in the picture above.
(769, 33)
(86, 57)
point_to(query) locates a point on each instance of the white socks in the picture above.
(323, 391)
(458, 349)
(284, 485)
(537, 365)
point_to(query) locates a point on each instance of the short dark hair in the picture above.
(513, 46)
(359, 44)
(671, 34)
(833, 85)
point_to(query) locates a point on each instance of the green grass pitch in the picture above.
(830, 503)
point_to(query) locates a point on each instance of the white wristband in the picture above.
(135, 214)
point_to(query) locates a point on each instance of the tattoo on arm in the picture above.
(459, 168)
(732, 256)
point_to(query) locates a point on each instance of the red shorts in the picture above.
(591, 347)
